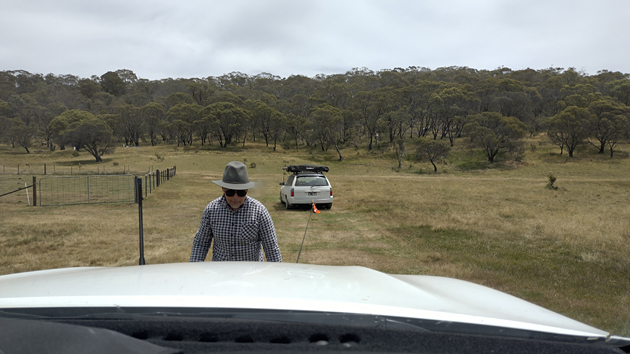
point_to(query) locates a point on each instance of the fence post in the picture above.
(140, 228)
(44, 169)
(18, 169)
(157, 178)
(34, 191)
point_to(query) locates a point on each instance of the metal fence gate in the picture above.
(89, 189)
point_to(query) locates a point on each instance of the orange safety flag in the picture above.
(315, 209)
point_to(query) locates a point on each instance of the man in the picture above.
(240, 226)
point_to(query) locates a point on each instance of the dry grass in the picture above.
(564, 249)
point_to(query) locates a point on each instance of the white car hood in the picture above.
(283, 286)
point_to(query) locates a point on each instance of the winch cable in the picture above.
(313, 210)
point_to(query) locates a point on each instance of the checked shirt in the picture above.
(239, 235)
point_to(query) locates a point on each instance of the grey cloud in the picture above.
(163, 38)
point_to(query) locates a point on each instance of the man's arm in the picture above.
(267, 234)
(203, 239)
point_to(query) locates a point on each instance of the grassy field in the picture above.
(566, 249)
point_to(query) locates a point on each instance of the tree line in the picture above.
(494, 109)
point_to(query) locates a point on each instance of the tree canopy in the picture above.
(83, 130)
(360, 107)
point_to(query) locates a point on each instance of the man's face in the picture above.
(235, 201)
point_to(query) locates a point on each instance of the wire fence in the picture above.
(65, 169)
(15, 190)
(80, 189)
(86, 189)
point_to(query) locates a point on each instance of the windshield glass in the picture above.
(484, 141)
(311, 181)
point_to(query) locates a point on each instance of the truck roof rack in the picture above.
(306, 168)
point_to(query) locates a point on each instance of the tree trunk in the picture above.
(338, 152)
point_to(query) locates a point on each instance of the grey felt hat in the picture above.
(235, 177)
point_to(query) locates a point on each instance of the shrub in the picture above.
(551, 183)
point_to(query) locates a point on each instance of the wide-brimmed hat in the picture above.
(235, 177)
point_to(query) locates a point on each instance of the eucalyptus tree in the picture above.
(234, 78)
(364, 78)
(396, 122)
(83, 130)
(550, 91)
(432, 150)
(569, 128)
(227, 120)
(266, 119)
(602, 80)
(182, 118)
(88, 87)
(295, 127)
(176, 98)
(448, 104)
(436, 109)
(609, 123)
(5, 125)
(620, 90)
(327, 126)
(61, 89)
(372, 106)
(102, 102)
(22, 134)
(113, 84)
(351, 126)
(391, 78)
(277, 128)
(43, 117)
(267, 83)
(226, 96)
(299, 105)
(495, 133)
(416, 99)
(334, 93)
(201, 90)
(152, 114)
(296, 85)
(131, 124)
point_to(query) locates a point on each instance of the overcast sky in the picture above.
(159, 39)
